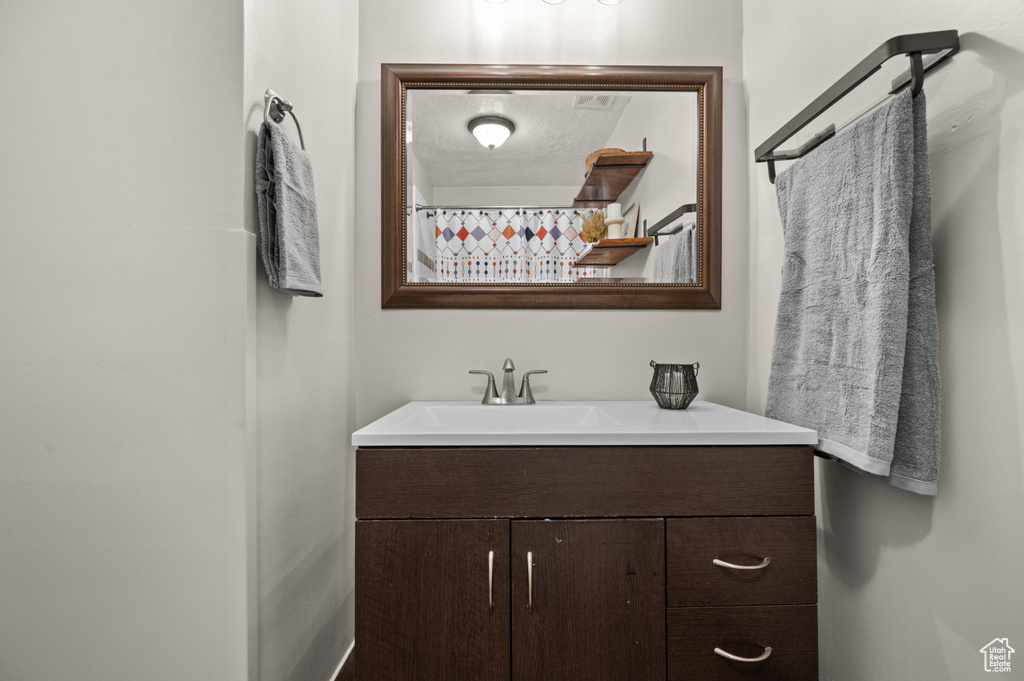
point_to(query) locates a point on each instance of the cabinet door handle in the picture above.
(730, 656)
(764, 563)
(490, 580)
(529, 579)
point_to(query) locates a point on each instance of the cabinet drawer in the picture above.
(790, 630)
(584, 482)
(694, 543)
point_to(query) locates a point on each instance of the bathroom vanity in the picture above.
(602, 540)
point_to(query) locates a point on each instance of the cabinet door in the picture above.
(428, 603)
(594, 606)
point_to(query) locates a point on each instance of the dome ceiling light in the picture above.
(491, 131)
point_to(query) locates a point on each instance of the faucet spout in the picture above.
(508, 385)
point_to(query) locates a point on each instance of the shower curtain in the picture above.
(491, 245)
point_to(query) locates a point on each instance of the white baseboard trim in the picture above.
(343, 659)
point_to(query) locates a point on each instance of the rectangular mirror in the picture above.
(503, 186)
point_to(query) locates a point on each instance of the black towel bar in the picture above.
(659, 228)
(944, 44)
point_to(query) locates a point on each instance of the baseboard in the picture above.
(347, 667)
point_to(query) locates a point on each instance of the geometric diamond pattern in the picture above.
(495, 245)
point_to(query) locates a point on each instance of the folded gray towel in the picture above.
(674, 258)
(856, 338)
(289, 237)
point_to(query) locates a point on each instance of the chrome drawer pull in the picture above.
(730, 656)
(529, 578)
(490, 580)
(722, 563)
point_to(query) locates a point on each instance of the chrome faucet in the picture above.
(508, 386)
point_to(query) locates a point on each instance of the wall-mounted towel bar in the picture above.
(663, 225)
(943, 44)
(275, 107)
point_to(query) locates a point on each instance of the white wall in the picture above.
(306, 52)
(419, 228)
(505, 196)
(669, 121)
(144, 356)
(418, 177)
(425, 354)
(124, 524)
(912, 587)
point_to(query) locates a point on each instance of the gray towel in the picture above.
(856, 338)
(675, 259)
(289, 238)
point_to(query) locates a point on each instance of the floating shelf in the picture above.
(609, 176)
(611, 251)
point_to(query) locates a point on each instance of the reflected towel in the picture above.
(289, 237)
(856, 338)
(675, 259)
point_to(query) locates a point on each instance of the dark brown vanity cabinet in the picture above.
(441, 604)
(594, 601)
(566, 563)
(427, 607)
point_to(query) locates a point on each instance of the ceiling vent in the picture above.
(593, 102)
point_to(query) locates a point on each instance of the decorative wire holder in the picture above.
(674, 385)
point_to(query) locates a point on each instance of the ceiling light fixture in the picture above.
(491, 131)
(609, 2)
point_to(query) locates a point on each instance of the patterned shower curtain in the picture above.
(508, 245)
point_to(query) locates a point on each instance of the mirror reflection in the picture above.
(550, 186)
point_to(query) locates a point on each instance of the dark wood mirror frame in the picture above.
(396, 292)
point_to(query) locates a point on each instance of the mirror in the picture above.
(530, 216)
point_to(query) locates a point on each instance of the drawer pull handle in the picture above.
(730, 656)
(490, 580)
(529, 579)
(721, 563)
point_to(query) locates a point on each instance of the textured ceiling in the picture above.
(549, 146)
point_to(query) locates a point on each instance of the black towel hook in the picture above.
(916, 73)
(275, 107)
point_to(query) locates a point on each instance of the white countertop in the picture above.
(471, 424)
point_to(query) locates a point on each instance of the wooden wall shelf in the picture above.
(610, 175)
(612, 251)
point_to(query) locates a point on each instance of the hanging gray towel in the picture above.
(856, 338)
(675, 259)
(289, 238)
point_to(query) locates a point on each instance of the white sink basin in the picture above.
(460, 417)
(471, 424)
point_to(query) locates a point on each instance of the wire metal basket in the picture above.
(674, 385)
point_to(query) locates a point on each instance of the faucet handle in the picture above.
(490, 392)
(524, 390)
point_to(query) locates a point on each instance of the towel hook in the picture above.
(276, 107)
(916, 73)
